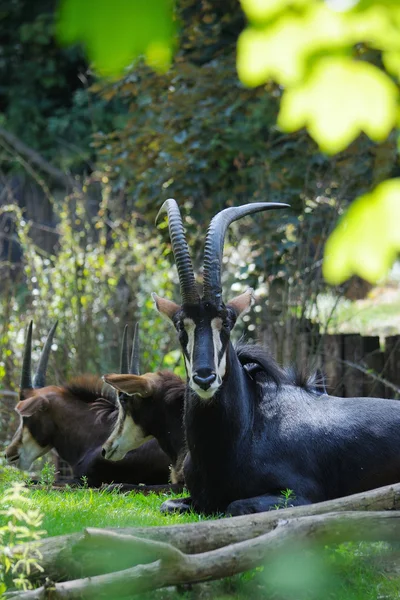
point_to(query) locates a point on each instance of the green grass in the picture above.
(345, 572)
(72, 510)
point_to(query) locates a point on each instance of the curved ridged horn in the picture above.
(181, 252)
(124, 365)
(134, 368)
(26, 377)
(39, 379)
(214, 245)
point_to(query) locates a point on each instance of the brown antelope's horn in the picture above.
(134, 368)
(26, 377)
(39, 379)
(214, 245)
(124, 365)
(181, 252)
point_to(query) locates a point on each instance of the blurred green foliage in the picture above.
(340, 66)
(44, 91)
(372, 216)
(115, 34)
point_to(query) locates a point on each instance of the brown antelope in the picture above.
(75, 420)
(150, 405)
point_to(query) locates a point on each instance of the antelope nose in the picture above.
(204, 381)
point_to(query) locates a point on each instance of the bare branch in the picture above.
(150, 550)
(226, 561)
(36, 159)
(8, 394)
(67, 556)
(372, 374)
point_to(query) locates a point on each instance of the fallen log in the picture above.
(170, 566)
(65, 556)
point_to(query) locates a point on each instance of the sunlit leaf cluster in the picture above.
(315, 50)
(339, 65)
(373, 220)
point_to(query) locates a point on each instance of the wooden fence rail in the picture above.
(353, 365)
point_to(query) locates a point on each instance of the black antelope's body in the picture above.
(75, 420)
(252, 431)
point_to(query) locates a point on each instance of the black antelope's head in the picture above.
(34, 434)
(131, 428)
(204, 324)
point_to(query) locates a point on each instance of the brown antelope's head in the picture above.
(128, 432)
(204, 324)
(34, 435)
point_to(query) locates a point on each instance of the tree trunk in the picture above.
(169, 566)
(69, 556)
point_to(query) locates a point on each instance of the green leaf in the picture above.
(340, 99)
(116, 33)
(271, 53)
(261, 10)
(367, 239)
(281, 50)
(391, 60)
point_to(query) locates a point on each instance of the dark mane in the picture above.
(173, 386)
(256, 360)
(91, 389)
(311, 381)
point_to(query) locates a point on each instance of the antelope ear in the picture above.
(142, 385)
(165, 307)
(27, 408)
(242, 304)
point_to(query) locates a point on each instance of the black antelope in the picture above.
(251, 430)
(150, 405)
(75, 420)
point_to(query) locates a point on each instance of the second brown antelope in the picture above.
(75, 420)
(252, 429)
(150, 405)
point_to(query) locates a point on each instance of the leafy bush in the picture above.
(23, 527)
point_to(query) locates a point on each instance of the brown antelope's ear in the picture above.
(28, 407)
(165, 307)
(142, 385)
(242, 304)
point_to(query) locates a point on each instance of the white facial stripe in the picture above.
(117, 427)
(19, 433)
(111, 444)
(129, 437)
(220, 365)
(190, 327)
(29, 450)
(12, 450)
(188, 367)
